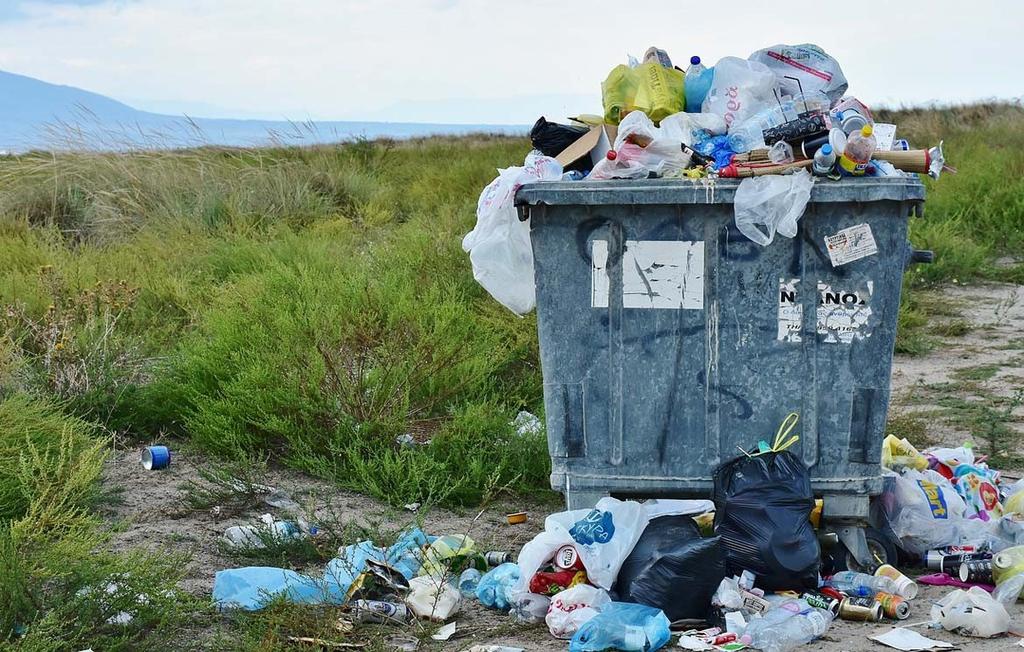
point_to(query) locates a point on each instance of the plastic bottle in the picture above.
(791, 632)
(468, 582)
(872, 582)
(824, 160)
(697, 83)
(859, 148)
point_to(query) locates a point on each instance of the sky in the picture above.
(482, 61)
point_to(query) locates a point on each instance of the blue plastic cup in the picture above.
(156, 457)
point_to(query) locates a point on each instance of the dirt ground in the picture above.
(148, 511)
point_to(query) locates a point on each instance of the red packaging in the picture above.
(552, 583)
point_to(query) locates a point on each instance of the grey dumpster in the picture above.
(669, 341)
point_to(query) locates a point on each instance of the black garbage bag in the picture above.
(762, 510)
(551, 138)
(672, 568)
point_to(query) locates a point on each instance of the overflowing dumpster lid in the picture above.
(720, 191)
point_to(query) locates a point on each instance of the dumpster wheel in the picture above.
(882, 550)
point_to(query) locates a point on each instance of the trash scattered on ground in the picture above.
(155, 457)
(517, 518)
(444, 633)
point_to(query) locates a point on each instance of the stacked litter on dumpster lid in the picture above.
(779, 119)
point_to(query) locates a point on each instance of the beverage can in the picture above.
(566, 557)
(950, 564)
(820, 600)
(377, 611)
(978, 571)
(893, 606)
(861, 609)
(498, 557)
(905, 587)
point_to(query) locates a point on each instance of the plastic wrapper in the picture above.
(642, 149)
(972, 613)
(623, 626)
(648, 87)
(496, 586)
(571, 608)
(762, 510)
(772, 204)
(499, 246)
(740, 89)
(980, 496)
(433, 598)
(901, 453)
(673, 569)
(803, 68)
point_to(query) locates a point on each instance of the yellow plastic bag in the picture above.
(900, 452)
(650, 87)
(443, 555)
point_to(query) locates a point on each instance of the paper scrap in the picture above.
(851, 244)
(444, 633)
(884, 134)
(908, 640)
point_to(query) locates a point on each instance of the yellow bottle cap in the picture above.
(866, 130)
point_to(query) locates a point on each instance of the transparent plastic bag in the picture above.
(499, 246)
(740, 89)
(773, 202)
(640, 149)
(805, 68)
(623, 626)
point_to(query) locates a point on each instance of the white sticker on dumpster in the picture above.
(656, 274)
(791, 311)
(843, 314)
(851, 244)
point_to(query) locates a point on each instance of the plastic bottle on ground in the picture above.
(697, 83)
(873, 583)
(791, 632)
(468, 581)
(824, 160)
(859, 148)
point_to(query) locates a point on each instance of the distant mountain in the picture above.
(38, 115)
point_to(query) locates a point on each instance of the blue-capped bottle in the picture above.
(697, 84)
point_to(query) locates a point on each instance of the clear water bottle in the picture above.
(859, 148)
(853, 579)
(790, 632)
(697, 83)
(468, 582)
(824, 160)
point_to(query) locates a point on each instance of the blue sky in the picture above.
(481, 61)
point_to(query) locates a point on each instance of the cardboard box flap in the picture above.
(595, 142)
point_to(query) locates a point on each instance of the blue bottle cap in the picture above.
(826, 149)
(694, 60)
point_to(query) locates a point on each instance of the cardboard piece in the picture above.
(595, 142)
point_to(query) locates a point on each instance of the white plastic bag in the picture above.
(774, 202)
(925, 512)
(641, 148)
(740, 89)
(572, 607)
(808, 63)
(972, 613)
(603, 536)
(682, 126)
(499, 246)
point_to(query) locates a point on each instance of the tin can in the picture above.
(819, 600)
(376, 611)
(862, 609)
(566, 557)
(950, 564)
(893, 606)
(978, 571)
(155, 457)
(498, 557)
(832, 593)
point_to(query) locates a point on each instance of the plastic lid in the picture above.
(826, 149)
(695, 60)
(866, 130)
(611, 155)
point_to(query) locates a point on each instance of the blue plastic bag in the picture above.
(495, 587)
(253, 587)
(623, 626)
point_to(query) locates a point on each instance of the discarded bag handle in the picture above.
(781, 443)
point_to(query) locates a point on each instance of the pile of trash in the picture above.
(743, 570)
(780, 120)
